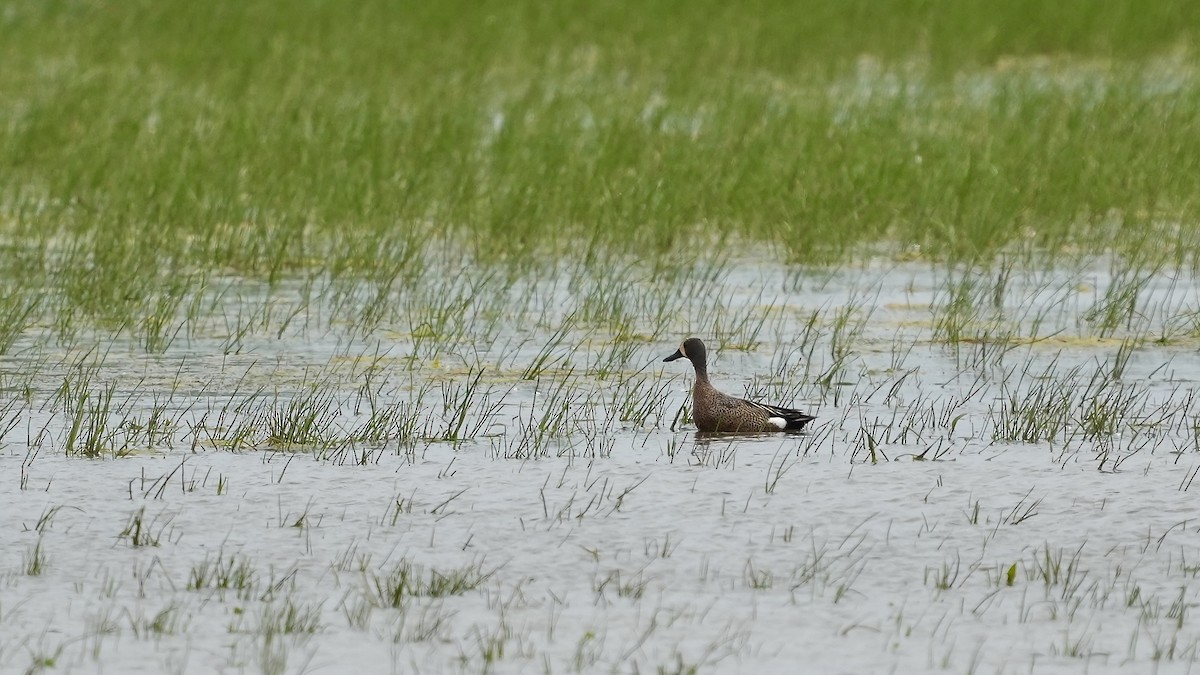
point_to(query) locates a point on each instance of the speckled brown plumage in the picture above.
(714, 411)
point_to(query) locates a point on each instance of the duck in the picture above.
(715, 411)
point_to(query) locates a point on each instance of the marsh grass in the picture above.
(34, 559)
(1119, 306)
(16, 315)
(436, 230)
(846, 328)
(942, 127)
(405, 580)
(468, 409)
(400, 422)
(169, 620)
(640, 399)
(141, 531)
(623, 585)
(1094, 404)
(1040, 411)
(678, 666)
(288, 617)
(545, 420)
(232, 573)
(777, 468)
(161, 325)
(90, 434)
(308, 419)
(155, 211)
(965, 312)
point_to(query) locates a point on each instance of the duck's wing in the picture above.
(783, 418)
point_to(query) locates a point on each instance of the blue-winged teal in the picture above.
(714, 411)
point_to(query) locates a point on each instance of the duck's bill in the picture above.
(677, 355)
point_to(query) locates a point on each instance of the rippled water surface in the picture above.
(998, 481)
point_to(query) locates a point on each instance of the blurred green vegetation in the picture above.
(261, 136)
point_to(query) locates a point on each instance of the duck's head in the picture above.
(692, 349)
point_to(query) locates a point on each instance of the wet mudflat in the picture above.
(999, 479)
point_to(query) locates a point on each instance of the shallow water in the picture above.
(904, 532)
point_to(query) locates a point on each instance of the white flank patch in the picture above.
(777, 422)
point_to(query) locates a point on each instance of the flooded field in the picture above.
(331, 336)
(473, 473)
